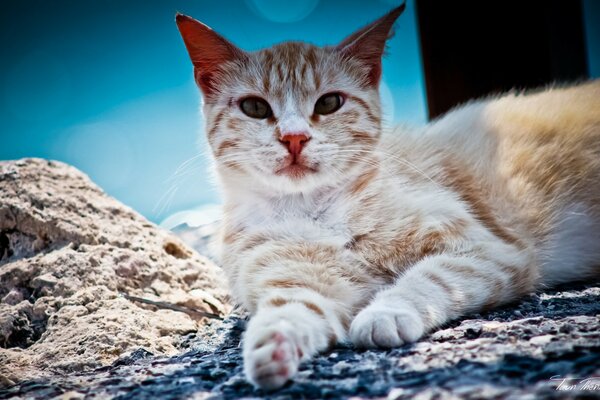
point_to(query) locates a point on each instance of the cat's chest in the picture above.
(308, 219)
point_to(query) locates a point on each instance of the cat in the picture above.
(335, 231)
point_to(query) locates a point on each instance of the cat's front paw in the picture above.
(384, 324)
(271, 357)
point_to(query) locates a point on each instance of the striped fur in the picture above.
(390, 235)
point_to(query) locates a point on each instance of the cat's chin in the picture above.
(296, 171)
(294, 179)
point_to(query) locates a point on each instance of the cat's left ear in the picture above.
(208, 51)
(368, 43)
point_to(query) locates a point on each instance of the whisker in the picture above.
(165, 199)
(182, 168)
(381, 152)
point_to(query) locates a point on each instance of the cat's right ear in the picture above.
(208, 51)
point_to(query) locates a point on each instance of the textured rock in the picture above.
(67, 253)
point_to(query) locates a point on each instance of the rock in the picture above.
(541, 340)
(67, 253)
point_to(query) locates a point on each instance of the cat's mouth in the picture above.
(296, 169)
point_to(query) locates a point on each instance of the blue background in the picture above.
(107, 86)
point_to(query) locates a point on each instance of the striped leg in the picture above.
(302, 305)
(290, 326)
(439, 289)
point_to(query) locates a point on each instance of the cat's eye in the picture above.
(328, 103)
(255, 107)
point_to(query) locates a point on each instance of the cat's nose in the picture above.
(294, 142)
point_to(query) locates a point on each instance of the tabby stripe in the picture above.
(280, 301)
(284, 283)
(313, 307)
(363, 180)
(361, 136)
(367, 109)
(213, 130)
(254, 241)
(436, 279)
(471, 194)
(496, 283)
(225, 145)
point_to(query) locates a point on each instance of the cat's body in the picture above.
(335, 232)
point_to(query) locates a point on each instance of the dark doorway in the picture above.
(473, 48)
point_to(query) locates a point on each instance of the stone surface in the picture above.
(67, 253)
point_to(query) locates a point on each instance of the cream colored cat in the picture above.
(336, 232)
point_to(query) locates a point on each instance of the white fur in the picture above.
(573, 249)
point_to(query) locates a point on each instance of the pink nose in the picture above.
(294, 142)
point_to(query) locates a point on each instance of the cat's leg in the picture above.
(302, 304)
(289, 327)
(441, 288)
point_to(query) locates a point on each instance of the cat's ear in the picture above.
(208, 51)
(368, 44)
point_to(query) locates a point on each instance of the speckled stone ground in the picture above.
(512, 352)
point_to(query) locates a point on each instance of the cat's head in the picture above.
(292, 117)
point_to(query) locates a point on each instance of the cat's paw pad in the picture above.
(271, 362)
(386, 326)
